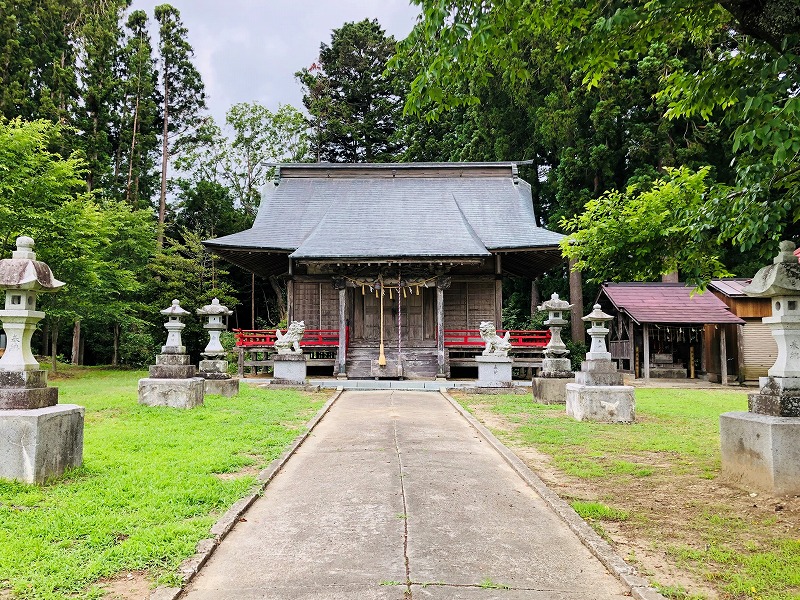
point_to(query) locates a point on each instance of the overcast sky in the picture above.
(249, 50)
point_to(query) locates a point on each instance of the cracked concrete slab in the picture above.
(396, 487)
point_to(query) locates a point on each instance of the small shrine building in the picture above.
(410, 256)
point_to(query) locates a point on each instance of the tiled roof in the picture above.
(317, 216)
(667, 303)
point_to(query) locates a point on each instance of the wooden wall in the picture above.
(466, 304)
(317, 304)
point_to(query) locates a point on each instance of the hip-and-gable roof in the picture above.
(409, 210)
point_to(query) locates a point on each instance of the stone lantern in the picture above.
(214, 369)
(598, 332)
(174, 326)
(173, 381)
(598, 393)
(759, 447)
(39, 439)
(550, 386)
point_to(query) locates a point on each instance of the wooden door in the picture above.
(412, 317)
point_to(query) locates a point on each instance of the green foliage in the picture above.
(242, 157)
(736, 69)
(355, 107)
(148, 491)
(598, 511)
(642, 234)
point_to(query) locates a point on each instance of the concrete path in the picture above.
(394, 496)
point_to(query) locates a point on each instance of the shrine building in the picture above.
(407, 256)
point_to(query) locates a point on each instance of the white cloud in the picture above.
(249, 50)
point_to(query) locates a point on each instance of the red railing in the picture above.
(466, 338)
(265, 338)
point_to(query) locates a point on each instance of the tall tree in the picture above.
(242, 157)
(37, 58)
(183, 95)
(747, 78)
(97, 116)
(355, 107)
(141, 119)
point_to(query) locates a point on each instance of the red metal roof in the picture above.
(667, 303)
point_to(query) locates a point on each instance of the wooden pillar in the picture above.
(442, 283)
(498, 292)
(632, 340)
(576, 299)
(646, 350)
(290, 294)
(342, 374)
(241, 362)
(703, 353)
(723, 356)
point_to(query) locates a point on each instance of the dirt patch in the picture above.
(250, 470)
(134, 585)
(672, 509)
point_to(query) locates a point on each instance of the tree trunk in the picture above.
(576, 298)
(115, 352)
(76, 343)
(54, 346)
(45, 338)
(162, 199)
(273, 281)
(535, 300)
(135, 129)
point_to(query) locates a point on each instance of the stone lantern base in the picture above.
(550, 386)
(493, 370)
(289, 369)
(40, 443)
(217, 379)
(761, 451)
(172, 382)
(176, 393)
(598, 394)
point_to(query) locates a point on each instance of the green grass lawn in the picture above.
(149, 489)
(657, 481)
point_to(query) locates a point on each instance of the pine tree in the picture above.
(141, 118)
(182, 89)
(355, 108)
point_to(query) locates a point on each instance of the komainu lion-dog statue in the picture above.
(289, 342)
(495, 345)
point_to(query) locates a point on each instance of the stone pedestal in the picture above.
(604, 403)
(550, 386)
(598, 394)
(173, 382)
(761, 451)
(41, 443)
(761, 448)
(289, 369)
(217, 379)
(176, 393)
(494, 371)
